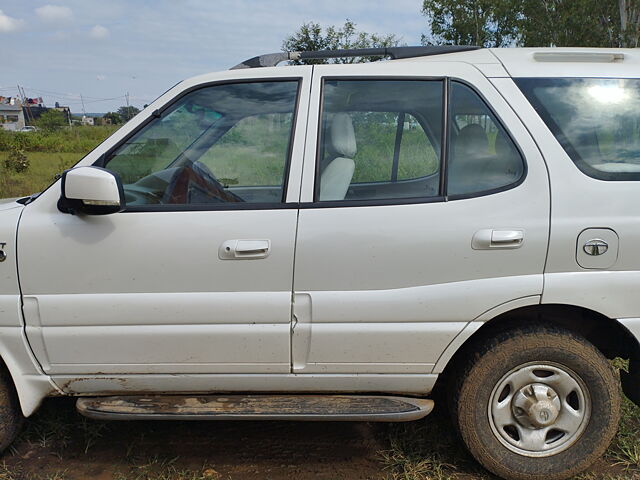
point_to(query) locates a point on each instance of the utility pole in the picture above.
(84, 114)
(126, 96)
(26, 107)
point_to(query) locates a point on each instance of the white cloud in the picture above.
(9, 24)
(73, 58)
(99, 32)
(54, 13)
(100, 77)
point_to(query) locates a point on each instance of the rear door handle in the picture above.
(244, 249)
(490, 239)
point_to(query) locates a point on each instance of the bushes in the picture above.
(16, 160)
(65, 140)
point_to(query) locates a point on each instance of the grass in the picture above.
(58, 444)
(66, 140)
(155, 468)
(49, 153)
(429, 450)
(42, 171)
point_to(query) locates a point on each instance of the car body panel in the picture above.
(577, 205)
(379, 277)
(146, 292)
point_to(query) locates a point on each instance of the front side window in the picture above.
(597, 121)
(380, 139)
(219, 144)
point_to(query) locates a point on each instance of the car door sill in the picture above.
(370, 408)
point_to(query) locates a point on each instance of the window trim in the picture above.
(561, 138)
(396, 146)
(444, 149)
(105, 157)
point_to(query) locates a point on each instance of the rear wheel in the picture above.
(537, 404)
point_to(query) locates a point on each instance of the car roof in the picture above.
(559, 62)
(549, 62)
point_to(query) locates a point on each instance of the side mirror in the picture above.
(92, 191)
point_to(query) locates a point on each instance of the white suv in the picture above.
(455, 220)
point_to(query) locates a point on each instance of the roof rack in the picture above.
(273, 59)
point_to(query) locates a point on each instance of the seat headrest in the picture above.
(343, 137)
(472, 139)
(502, 145)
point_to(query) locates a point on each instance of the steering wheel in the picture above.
(196, 177)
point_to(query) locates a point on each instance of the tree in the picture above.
(51, 120)
(311, 36)
(562, 23)
(487, 23)
(126, 113)
(629, 11)
(114, 117)
(570, 23)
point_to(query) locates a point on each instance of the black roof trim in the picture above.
(273, 59)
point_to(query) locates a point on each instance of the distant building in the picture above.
(88, 120)
(11, 117)
(65, 110)
(33, 112)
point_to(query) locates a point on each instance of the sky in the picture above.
(102, 49)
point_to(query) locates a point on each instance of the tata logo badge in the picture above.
(3, 256)
(595, 247)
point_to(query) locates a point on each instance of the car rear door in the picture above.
(425, 204)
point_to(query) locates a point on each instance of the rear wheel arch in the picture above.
(608, 335)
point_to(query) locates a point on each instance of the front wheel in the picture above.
(11, 418)
(537, 404)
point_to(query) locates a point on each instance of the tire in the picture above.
(536, 403)
(11, 418)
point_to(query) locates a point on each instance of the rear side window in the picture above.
(380, 139)
(597, 121)
(482, 156)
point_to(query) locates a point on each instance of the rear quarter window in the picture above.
(597, 121)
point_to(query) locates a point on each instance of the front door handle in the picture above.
(490, 239)
(244, 249)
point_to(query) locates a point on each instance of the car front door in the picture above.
(195, 275)
(425, 204)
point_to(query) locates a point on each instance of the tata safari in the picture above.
(348, 242)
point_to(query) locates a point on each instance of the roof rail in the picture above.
(273, 59)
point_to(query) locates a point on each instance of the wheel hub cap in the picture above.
(539, 409)
(536, 405)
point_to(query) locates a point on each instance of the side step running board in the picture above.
(256, 407)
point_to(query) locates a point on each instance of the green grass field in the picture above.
(44, 167)
(49, 154)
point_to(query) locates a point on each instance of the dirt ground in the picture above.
(59, 444)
